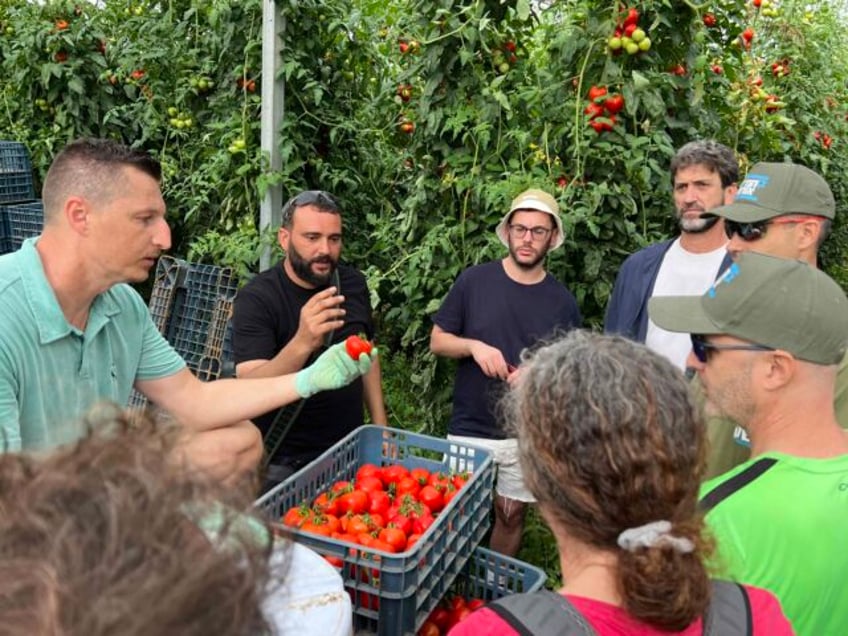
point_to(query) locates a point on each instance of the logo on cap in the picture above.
(731, 273)
(748, 190)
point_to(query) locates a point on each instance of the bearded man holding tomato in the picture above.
(287, 315)
(491, 314)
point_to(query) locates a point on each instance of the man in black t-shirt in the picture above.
(493, 312)
(283, 316)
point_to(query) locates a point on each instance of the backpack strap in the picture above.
(541, 613)
(729, 613)
(735, 483)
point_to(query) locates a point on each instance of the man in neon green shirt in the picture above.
(767, 341)
(790, 218)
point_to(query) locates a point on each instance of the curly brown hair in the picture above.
(102, 537)
(610, 439)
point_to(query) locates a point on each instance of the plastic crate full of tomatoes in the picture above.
(399, 513)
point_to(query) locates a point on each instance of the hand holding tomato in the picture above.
(357, 345)
(332, 370)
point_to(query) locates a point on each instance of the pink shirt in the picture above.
(610, 620)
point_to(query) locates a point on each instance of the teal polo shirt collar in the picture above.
(51, 322)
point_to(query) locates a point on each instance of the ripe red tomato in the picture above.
(316, 528)
(420, 525)
(421, 475)
(432, 498)
(748, 34)
(379, 503)
(439, 617)
(595, 92)
(368, 470)
(296, 516)
(393, 474)
(709, 20)
(460, 479)
(594, 110)
(455, 603)
(402, 522)
(407, 486)
(474, 603)
(614, 104)
(369, 484)
(394, 537)
(356, 346)
(411, 540)
(355, 501)
(439, 481)
(632, 17)
(61, 25)
(336, 562)
(341, 486)
(429, 628)
(459, 615)
(327, 503)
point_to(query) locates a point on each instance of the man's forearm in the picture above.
(291, 358)
(449, 345)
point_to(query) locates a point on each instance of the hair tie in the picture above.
(651, 535)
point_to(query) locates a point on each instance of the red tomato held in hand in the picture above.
(356, 346)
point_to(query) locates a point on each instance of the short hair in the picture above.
(88, 167)
(707, 152)
(102, 537)
(825, 226)
(610, 439)
(324, 201)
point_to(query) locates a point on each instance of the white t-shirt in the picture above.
(681, 273)
(306, 594)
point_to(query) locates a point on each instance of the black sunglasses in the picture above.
(322, 199)
(701, 347)
(755, 230)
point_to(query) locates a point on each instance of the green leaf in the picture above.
(522, 9)
(75, 85)
(640, 82)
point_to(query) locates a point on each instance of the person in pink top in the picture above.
(613, 449)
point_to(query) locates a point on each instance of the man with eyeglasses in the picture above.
(285, 316)
(767, 341)
(785, 210)
(493, 312)
(704, 175)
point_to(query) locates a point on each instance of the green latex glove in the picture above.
(332, 370)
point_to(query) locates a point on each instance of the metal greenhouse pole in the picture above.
(273, 92)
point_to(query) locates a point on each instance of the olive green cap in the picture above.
(776, 189)
(779, 303)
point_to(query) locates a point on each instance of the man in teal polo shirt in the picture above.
(73, 333)
(767, 341)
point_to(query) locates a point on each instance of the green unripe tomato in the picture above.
(645, 45)
(614, 43)
(632, 48)
(638, 35)
(700, 37)
(700, 63)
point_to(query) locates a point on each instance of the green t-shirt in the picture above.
(785, 532)
(51, 373)
(726, 453)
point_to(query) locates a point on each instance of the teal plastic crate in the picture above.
(393, 594)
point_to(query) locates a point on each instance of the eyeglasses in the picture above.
(701, 348)
(322, 199)
(757, 229)
(538, 233)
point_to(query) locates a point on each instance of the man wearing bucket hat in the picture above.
(704, 175)
(785, 210)
(493, 312)
(766, 342)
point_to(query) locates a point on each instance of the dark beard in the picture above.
(303, 268)
(526, 266)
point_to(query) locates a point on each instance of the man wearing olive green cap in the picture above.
(786, 210)
(766, 342)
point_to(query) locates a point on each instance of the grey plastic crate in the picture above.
(16, 182)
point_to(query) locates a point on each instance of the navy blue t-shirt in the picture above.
(485, 304)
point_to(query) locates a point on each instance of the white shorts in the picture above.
(509, 481)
